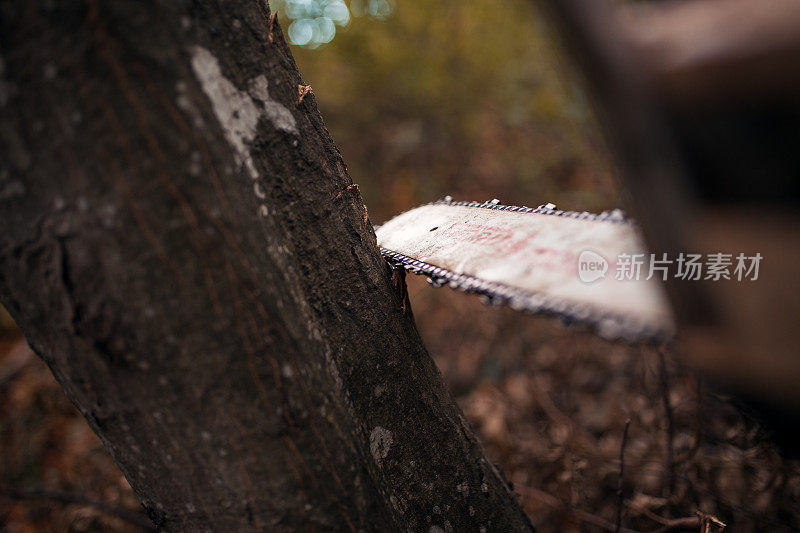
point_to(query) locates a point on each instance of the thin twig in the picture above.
(620, 482)
(698, 437)
(670, 436)
(133, 517)
(707, 520)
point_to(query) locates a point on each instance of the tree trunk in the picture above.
(183, 246)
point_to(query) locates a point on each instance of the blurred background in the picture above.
(476, 100)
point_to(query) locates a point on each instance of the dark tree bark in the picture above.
(183, 246)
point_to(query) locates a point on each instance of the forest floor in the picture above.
(549, 403)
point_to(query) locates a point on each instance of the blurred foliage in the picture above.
(471, 99)
(314, 22)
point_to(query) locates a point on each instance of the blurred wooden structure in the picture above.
(701, 104)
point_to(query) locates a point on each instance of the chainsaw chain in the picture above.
(614, 216)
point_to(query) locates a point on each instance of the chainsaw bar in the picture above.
(539, 260)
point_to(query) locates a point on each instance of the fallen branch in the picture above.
(620, 483)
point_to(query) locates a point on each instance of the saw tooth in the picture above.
(436, 282)
(609, 328)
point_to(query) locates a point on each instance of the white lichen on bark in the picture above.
(380, 440)
(238, 112)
